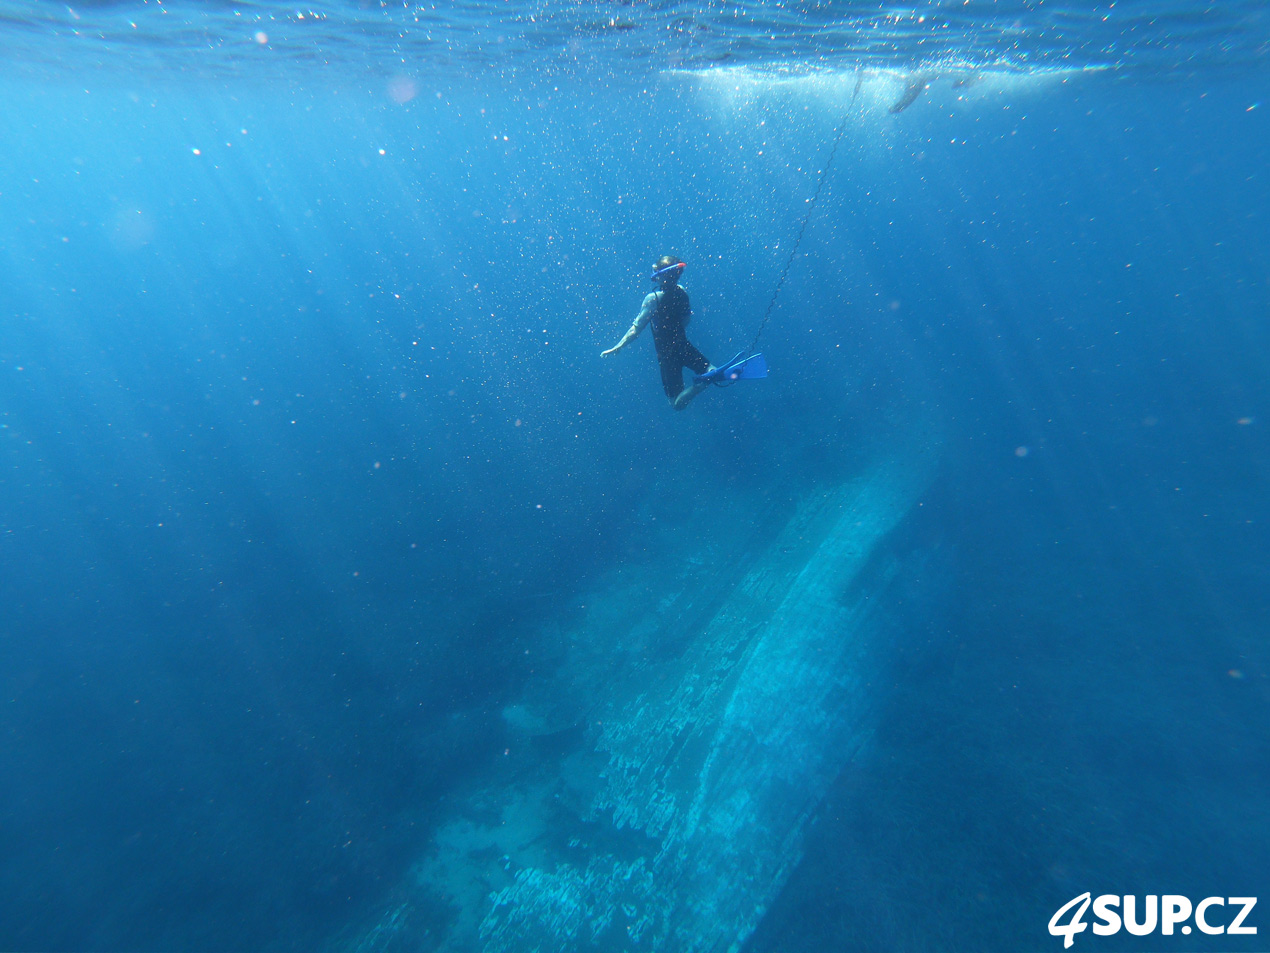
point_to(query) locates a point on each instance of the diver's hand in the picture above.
(611, 350)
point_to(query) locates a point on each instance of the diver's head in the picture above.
(667, 269)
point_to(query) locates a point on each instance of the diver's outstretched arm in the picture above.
(641, 319)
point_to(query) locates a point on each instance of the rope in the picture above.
(811, 207)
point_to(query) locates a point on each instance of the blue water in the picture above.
(305, 442)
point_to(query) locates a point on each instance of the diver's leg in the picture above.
(695, 361)
(685, 398)
(672, 377)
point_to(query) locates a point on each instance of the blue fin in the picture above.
(740, 368)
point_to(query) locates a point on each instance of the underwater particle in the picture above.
(1021, 452)
(1235, 673)
(1245, 421)
(262, 37)
(196, 151)
(130, 229)
(402, 89)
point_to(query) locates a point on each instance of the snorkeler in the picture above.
(669, 312)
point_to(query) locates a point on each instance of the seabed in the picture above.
(669, 765)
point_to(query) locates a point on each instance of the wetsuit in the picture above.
(671, 312)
